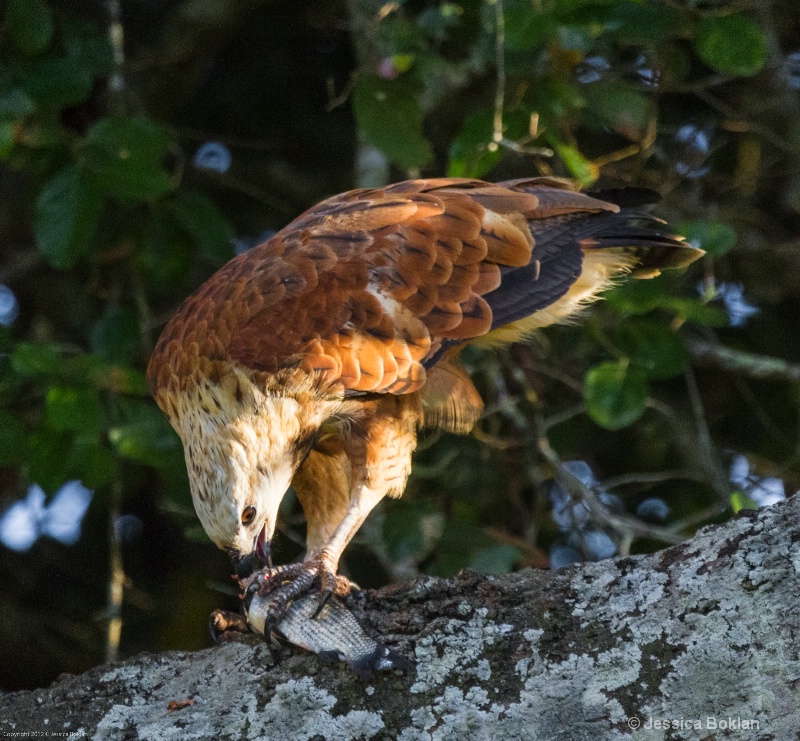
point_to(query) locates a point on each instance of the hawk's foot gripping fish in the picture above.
(334, 634)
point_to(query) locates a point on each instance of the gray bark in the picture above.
(704, 632)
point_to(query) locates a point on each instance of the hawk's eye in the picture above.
(248, 514)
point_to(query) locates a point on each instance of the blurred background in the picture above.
(144, 143)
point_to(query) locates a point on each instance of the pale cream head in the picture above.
(241, 456)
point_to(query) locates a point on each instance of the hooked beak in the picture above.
(257, 559)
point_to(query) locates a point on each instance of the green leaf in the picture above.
(43, 132)
(120, 380)
(144, 435)
(196, 534)
(561, 8)
(115, 336)
(554, 100)
(56, 82)
(740, 501)
(67, 211)
(615, 394)
(693, 309)
(497, 559)
(388, 114)
(12, 437)
(127, 156)
(81, 368)
(577, 37)
(6, 138)
(460, 541)
(525, 28)
(643, 296)
(646, 22)
(402, 532)
(73, 409)
(653, 346)
(437, 21)
(732, 44)
(402, 62)
(469, 153)
(94, 371)
(90, 50)
(15, 103)
(29, 25)
(53, 457)
(618, 106)
(714, 237)
(31, 359)
(470, 156)
(93, 463)
(582, 169)
(166, 254)
(46, 458)
(199, 217)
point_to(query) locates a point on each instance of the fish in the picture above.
(333, 634)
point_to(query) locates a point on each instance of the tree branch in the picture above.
(703, 632)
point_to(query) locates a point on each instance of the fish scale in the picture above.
(334, 634)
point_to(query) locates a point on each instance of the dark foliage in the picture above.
(131, 168)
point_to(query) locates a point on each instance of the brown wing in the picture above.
(370, 287)
(365, 286)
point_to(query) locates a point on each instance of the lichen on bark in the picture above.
(704, 632)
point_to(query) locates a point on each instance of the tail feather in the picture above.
(653, 249)
(583, 242)
(561, 245)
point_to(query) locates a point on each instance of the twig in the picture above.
(626, 525)
(147, 322)
(116, 37)
(557, 375)
(655, 477)
(498, 139)
(709, 453)
(337, 99)
(117, 579)
(618, 156)
(766, 133)
(500, 65)
(226, 180)
(744, 363)
(563, 416)
(521, 148)
(371, 167)
(116, 576)
(534, 556)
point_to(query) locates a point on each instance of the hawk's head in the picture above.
(241, 458)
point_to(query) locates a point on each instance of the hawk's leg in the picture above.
(318, 568)
(338, 492)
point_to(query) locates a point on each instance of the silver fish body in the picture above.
(334, 634)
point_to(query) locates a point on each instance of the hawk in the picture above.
(313, 359)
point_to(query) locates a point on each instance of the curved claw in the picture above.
(281, 585)
(324, 598)
(330, 583)
(284, 593)
(299, 579)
